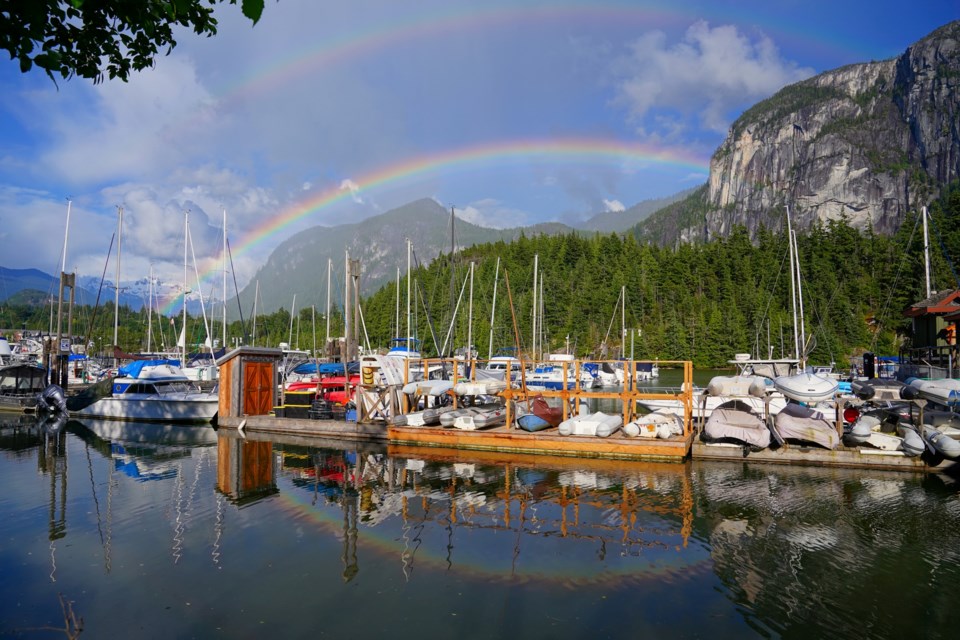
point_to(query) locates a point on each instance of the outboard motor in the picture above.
(869, 365)
(52, 400)
(52, 422)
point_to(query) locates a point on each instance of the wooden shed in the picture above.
(248, 381)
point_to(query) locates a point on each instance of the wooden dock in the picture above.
(506, 440)
(850, 457)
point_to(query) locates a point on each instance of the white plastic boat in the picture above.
(940, 442)
(943, 391)
(488, 387)
(806, 387)
(654, 425)
(591, 424)
(481, 418)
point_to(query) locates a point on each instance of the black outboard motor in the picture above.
(52, 422)
(869, 366)
(52, 400)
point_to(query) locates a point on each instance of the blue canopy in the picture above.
(133, 369)
(76, 356)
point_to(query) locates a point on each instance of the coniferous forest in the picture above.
(699, 302)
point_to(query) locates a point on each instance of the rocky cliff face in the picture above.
(868, 141)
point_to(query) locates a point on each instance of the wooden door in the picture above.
(257, 388)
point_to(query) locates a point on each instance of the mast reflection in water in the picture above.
(164, 531)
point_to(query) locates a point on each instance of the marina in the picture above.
(454, 541)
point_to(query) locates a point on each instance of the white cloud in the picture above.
(614, 205)
(354, 188)
(706, 76)
(493, 214)
(127, 129)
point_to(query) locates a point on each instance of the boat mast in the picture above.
(623, 321)
(293, 305)
(150, 312)
(346, 310)
(396, 323)
(469, 355)
(256, 294)
(183, 329)
(926, 250)
(116, 297)
(409, 251)
(803, 330)
(793, 287)
(326, 343)
(223, 344)
(493, 309)
(536, 258)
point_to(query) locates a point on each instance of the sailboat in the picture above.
(796, 421)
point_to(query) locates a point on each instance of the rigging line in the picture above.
(943, 248)
(783, 260)
(236, 289)
(103, 276)
(426, 307)
(896, 279)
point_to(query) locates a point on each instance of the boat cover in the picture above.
(727, 423)
(797, 422)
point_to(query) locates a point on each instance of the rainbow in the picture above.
(426, 27)
(627, 155)
(659, 563)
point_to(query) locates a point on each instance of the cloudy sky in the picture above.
(512, 111)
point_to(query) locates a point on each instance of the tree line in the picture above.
(700, 302)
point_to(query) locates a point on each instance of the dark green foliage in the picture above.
(699, 302)
(90, 38)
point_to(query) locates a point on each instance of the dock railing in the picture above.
(571, 393)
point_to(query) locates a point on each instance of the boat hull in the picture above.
(151, 410)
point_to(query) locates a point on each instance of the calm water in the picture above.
(183, 532)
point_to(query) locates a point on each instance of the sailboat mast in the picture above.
(536, 258)
(493, 309)
(409, 251)
(623, 321)
(66, 234)
(150, 312)
(470, 318)
(803, 330)
(926, 251)
(223, 344)
(396, 322)
(256, 295)
(116, 298)
(346, 305)
(326, 343)
(183, 329)
(793, 287)
(293, 306)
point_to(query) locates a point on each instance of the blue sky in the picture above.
(322, 96)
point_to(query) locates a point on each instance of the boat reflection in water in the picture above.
(217, 531)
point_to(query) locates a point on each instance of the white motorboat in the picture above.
(558, 370)
(155, 393)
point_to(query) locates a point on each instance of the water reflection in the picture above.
(168, 522)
